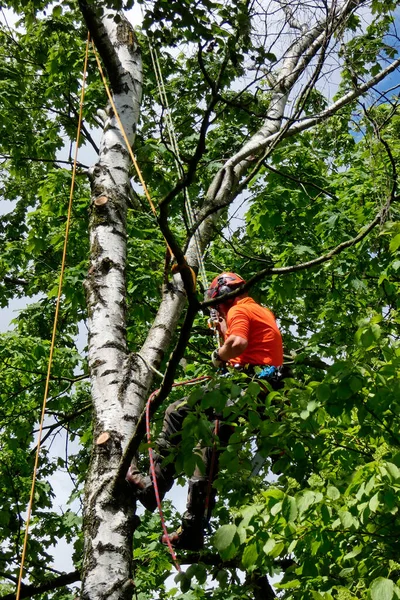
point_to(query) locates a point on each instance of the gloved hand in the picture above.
(216, 360)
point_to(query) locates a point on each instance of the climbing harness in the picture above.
(53, 337)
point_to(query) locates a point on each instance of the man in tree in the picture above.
(251, 339)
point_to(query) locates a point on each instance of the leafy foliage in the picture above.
(323, 512)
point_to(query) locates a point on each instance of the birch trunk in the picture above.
(109, 523)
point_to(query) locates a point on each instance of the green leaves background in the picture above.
(323, 512)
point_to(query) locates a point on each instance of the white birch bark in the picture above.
(294, 62)
(108, 525)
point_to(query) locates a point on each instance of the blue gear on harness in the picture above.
(267, 372)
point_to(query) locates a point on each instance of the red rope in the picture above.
(152, 466)
(207, 511)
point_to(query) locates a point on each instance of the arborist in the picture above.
(251, 339)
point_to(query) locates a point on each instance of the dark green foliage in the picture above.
(323, 512)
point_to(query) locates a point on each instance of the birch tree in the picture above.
(247, 99)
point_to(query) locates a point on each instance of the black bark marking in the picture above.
(158, 351)
(115, 345)
(109, 372)
(98, 363)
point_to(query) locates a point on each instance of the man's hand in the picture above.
(216, 360)
(221, 326)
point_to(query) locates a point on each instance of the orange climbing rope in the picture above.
(52, 344)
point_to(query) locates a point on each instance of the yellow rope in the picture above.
(46, 391)
(129, 148)
(135, 163)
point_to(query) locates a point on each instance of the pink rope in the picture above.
(152, 465)
(211, 474)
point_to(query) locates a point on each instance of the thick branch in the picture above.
(103, 43)
(224, 189)
(162, 394)
(215, 206)
(257, 145)
(27, 591)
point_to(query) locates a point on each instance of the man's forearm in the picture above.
(233, 347)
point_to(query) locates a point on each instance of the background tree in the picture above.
(286, 114)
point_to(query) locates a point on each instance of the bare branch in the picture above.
(27, 591)
(256, 145)
(306, 265)
(300, 181)
(392, 161)
(291, 19)
(55, 161)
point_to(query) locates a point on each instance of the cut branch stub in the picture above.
(101, 200)
(103, 438)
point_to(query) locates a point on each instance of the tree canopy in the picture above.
(287, 122)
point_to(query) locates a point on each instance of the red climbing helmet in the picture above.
(223, 284)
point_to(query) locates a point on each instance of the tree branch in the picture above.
(256, 146)
(300, 181)
(302, 266)
(27, 591)
(159, 398)
(46, 160)
(200, 149)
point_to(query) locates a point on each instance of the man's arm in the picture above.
(233, 346)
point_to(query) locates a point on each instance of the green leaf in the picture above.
(305, 500)
(224, 537)
(395, 243)
(323, 392)
(276, 509)
(332, 492)
(382, 589)
(301, 250)
(250, 556)
(393, 471)
(355, 552)
(294, 583)
(368, 338)
(184, 581)
(289, 508)
(269, 546)
(374, 502)
(278, 549)
(346, 519)
(299, 451)
(356, 384)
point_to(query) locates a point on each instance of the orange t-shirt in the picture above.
(257, 325)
